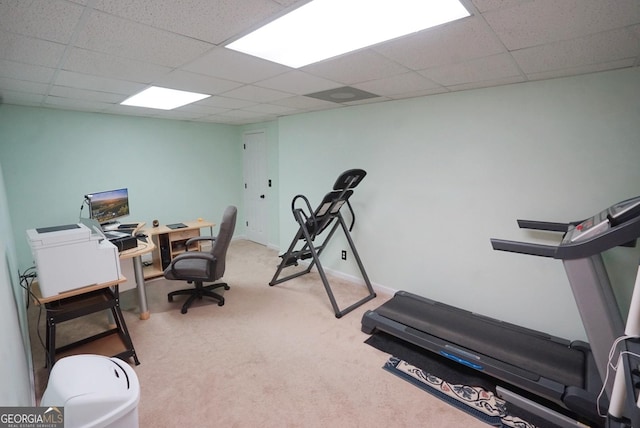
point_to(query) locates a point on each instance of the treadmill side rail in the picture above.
(524, 248)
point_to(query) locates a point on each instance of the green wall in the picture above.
(175, 171)
(448, 172)
(16, 369)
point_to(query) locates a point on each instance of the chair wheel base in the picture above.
(198, 292)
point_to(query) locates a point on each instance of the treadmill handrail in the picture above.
(624, 234)
(524, 248)
(543, 225)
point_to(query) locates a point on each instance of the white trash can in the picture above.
(95, 391)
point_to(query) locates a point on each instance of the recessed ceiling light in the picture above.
(323, 29)
(163, 98)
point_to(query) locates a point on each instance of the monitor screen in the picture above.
(108, 206)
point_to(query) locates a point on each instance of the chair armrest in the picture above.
(200, 238)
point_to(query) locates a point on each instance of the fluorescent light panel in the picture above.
(323, 29)
(163, 98)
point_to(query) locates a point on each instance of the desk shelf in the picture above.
(114, 342)
(171, 242)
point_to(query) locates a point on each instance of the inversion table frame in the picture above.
(312, 225)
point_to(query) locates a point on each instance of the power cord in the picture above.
(613, 366)
(26, 282)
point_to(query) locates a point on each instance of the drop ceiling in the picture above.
(90, 55)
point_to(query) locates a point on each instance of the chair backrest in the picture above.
(221, 244)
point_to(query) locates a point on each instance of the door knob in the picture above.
(261, 196)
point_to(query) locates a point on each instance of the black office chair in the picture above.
(203, 266)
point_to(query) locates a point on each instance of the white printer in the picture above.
(70, 256)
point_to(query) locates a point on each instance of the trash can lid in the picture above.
(92, 385)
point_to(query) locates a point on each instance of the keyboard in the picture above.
(128, 226)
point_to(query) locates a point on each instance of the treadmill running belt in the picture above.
(527, 349)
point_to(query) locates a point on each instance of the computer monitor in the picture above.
(107, 207)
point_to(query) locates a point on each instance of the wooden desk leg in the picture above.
(142, 293)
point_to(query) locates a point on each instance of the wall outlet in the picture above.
(344, 255)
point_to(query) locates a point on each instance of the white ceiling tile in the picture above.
(297, 82)
(256, 93)
(488, 5)
(360, 66)
(597, 48)
(20, 71)
(226, 102)
(23, 86)
(53, 20)
(86, 95)
(414, 94)
(487, 83)
(291, 2)
(213, 21)
(75, 104)
(28, 50)
(179, 114)
(458, 41)
(242, 114)
(399, 84)
(187, 81)
(215, 119)
(574, 71)
(485, 69)
(99, 64)
(120, 37)
(303, 103)
(130, 110)
(367, 101)
(227, 64)
(269, 109)
(20, 98)
(129, 45)
(202, 109)
(544, 21)
(97, 83)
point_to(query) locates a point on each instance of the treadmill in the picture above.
(533, 370)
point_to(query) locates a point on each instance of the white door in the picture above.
(255, 185)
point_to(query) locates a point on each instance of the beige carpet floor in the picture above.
(270, 357)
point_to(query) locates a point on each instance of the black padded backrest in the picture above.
(222, 241)
(349, 179)
(332, 202)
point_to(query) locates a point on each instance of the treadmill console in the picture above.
(624, 211)
(590, 227)
(601, 222)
